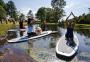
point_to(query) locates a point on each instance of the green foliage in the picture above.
(21, 17)
(61, 23)
(2, 3)
(84, 19)
(41, 14)
(58, 6)
(11, 9)
(45, 14)
(49, 14)
(15, 15)
(2, 13)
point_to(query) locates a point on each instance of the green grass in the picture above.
(82, 24)
(48, 23)
(5, 27)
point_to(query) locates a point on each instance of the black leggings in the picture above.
(32, 34)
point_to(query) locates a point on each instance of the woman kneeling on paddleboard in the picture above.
(69, 34)
(32, 30)
(31, 27)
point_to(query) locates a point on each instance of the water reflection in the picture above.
(85, 32)
(43, 42)
(43, 49)
(51, 27)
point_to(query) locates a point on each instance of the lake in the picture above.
(43, 49)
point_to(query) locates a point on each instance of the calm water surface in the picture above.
(43, 49)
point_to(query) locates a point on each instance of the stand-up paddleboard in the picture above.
(25, 38)
(64, 49)
(22, 29)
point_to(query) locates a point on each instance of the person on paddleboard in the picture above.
(31, 26)
(69, 34)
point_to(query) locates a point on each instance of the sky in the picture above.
(78, 7)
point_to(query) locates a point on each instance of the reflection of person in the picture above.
(70, 27)
(31, 29)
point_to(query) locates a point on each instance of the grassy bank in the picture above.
(4, 27)
(48, 23)
(82, 24)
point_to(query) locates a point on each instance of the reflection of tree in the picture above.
(54, 38)
(52, 27)
(85, 32)
(30, 45)
(3, 40)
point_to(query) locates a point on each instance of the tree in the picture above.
(58, 6)
(30, 13)
(2, 13)
(58, 3)
(21, 17)
(50, 15)
(2, 3)
(47, 14)
(41, 14)
(11, 9)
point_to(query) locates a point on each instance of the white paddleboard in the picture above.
(25, 38)
(63, 49)
(22, 29)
